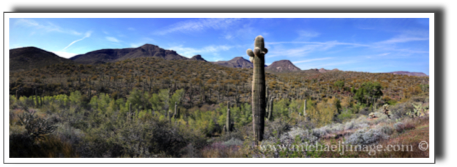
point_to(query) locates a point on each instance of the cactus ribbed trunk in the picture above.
(304, 109)
(257, 57)
(227, 122)
(270, 110)
(174, 114)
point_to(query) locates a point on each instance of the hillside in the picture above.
(28, 58)
(113, 55)
(282, 66)
(237, 62)
(198, 57)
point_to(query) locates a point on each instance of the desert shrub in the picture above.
(399, 127)
(336, 127)
(170, 140)
(362, 125)
(36, 127)
(237, 134)
(364, 111)
(386, 129)
(303, 135)
(381, 117)
(320, 132)
(286, 139)
(363, 136)
(349, 125)
(345, 115)
(276, 129)
(409, 125)
(401, 110)
(233, 142)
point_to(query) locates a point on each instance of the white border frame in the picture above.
(431, 17)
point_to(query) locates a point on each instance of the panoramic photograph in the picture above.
(219, 88)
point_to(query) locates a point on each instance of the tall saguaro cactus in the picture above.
(257, 57)
(227, 121)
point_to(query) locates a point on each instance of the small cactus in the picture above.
(417, 111)
(372, 115)
(386, 110)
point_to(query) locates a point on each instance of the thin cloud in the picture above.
(112, 39)
(402, 39)
(303, 33)
(311, 60)
(198, 25)
(304, 50)
(49, 27)
(87, 35)
(327, 65)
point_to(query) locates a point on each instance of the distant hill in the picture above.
(237, 62)
(198, 57)
(27, 58)
(419, 74)
(282, 66)
(112, 55)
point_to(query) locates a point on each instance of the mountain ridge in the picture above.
(113, 55)
(27, 58)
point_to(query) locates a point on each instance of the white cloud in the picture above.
(87, 35)
(303, 50)
(198, 25)
(48, 27)
(112, 39)
(402, 39)
(131, 29)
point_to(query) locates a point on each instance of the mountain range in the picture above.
(31, 57)
(113, 55)
(282, 66)
(28, 58)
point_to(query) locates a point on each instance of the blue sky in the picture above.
(352, 44)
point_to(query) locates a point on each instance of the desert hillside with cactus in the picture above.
(154, 107)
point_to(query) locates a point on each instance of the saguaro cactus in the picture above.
(304, 108)
(257, 57)
(227, 121)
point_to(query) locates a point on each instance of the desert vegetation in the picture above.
(152, 107)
